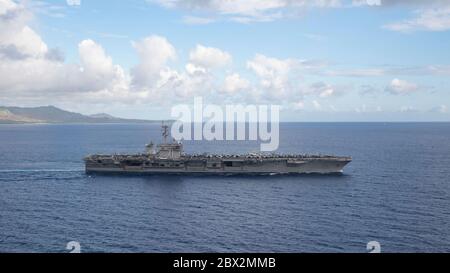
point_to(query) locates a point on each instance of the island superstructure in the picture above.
(169, 158)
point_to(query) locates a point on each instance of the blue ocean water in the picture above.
(396, 192)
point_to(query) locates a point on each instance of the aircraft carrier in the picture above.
(169, 158)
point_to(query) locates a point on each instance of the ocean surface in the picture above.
(396, 192)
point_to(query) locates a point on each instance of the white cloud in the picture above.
(192, 69)
(443, 109)
(94, 59)
(328, 92)
(97, 68)
(408, 109)
(23, 62)
(432, 19)
(245, 11)
(280, 80)
(47, 8)
(209, 57)
(154, 52)
(324, 90)
(365, 72)
(299, 105)
(386, 70)
(443, 70)
(267, 67)
(154, 77)
(367, 2)
(401, 87)
(30, 70)
(274, 75)
(28, 67)
(409, 3)
(14, 31)
(362, 109)
(234, 83)
(368, 90)
(317, 105)
(196, 20)
(432, 15)
(28, 42)
(73, 2)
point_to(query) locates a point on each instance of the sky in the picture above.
(321, 60)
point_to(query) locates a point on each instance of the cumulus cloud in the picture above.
(280, 80)
(410, 3)
(364, 72)
(234, 83)
(431, 15)
(274, 75)
(387, 70)
(402, 87)
(324, 90)
(15, 33)
(434, 19)
(97, 68)
(154, 52)
(22, 51)
(317, 105)
(248, 10)
(299, 105)
(209, 57)
(368, 90)
(160, 82)
(367, 2)
(443, 109)
(73, 2)
(408, 109)
(196, 20)
(28, 67)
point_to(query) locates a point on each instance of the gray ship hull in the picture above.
(328, 165)
(170, 159)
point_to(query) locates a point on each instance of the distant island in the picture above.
(54, 115)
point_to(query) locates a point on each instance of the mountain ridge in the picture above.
(53, 115)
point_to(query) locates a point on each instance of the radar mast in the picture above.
(165, 132)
